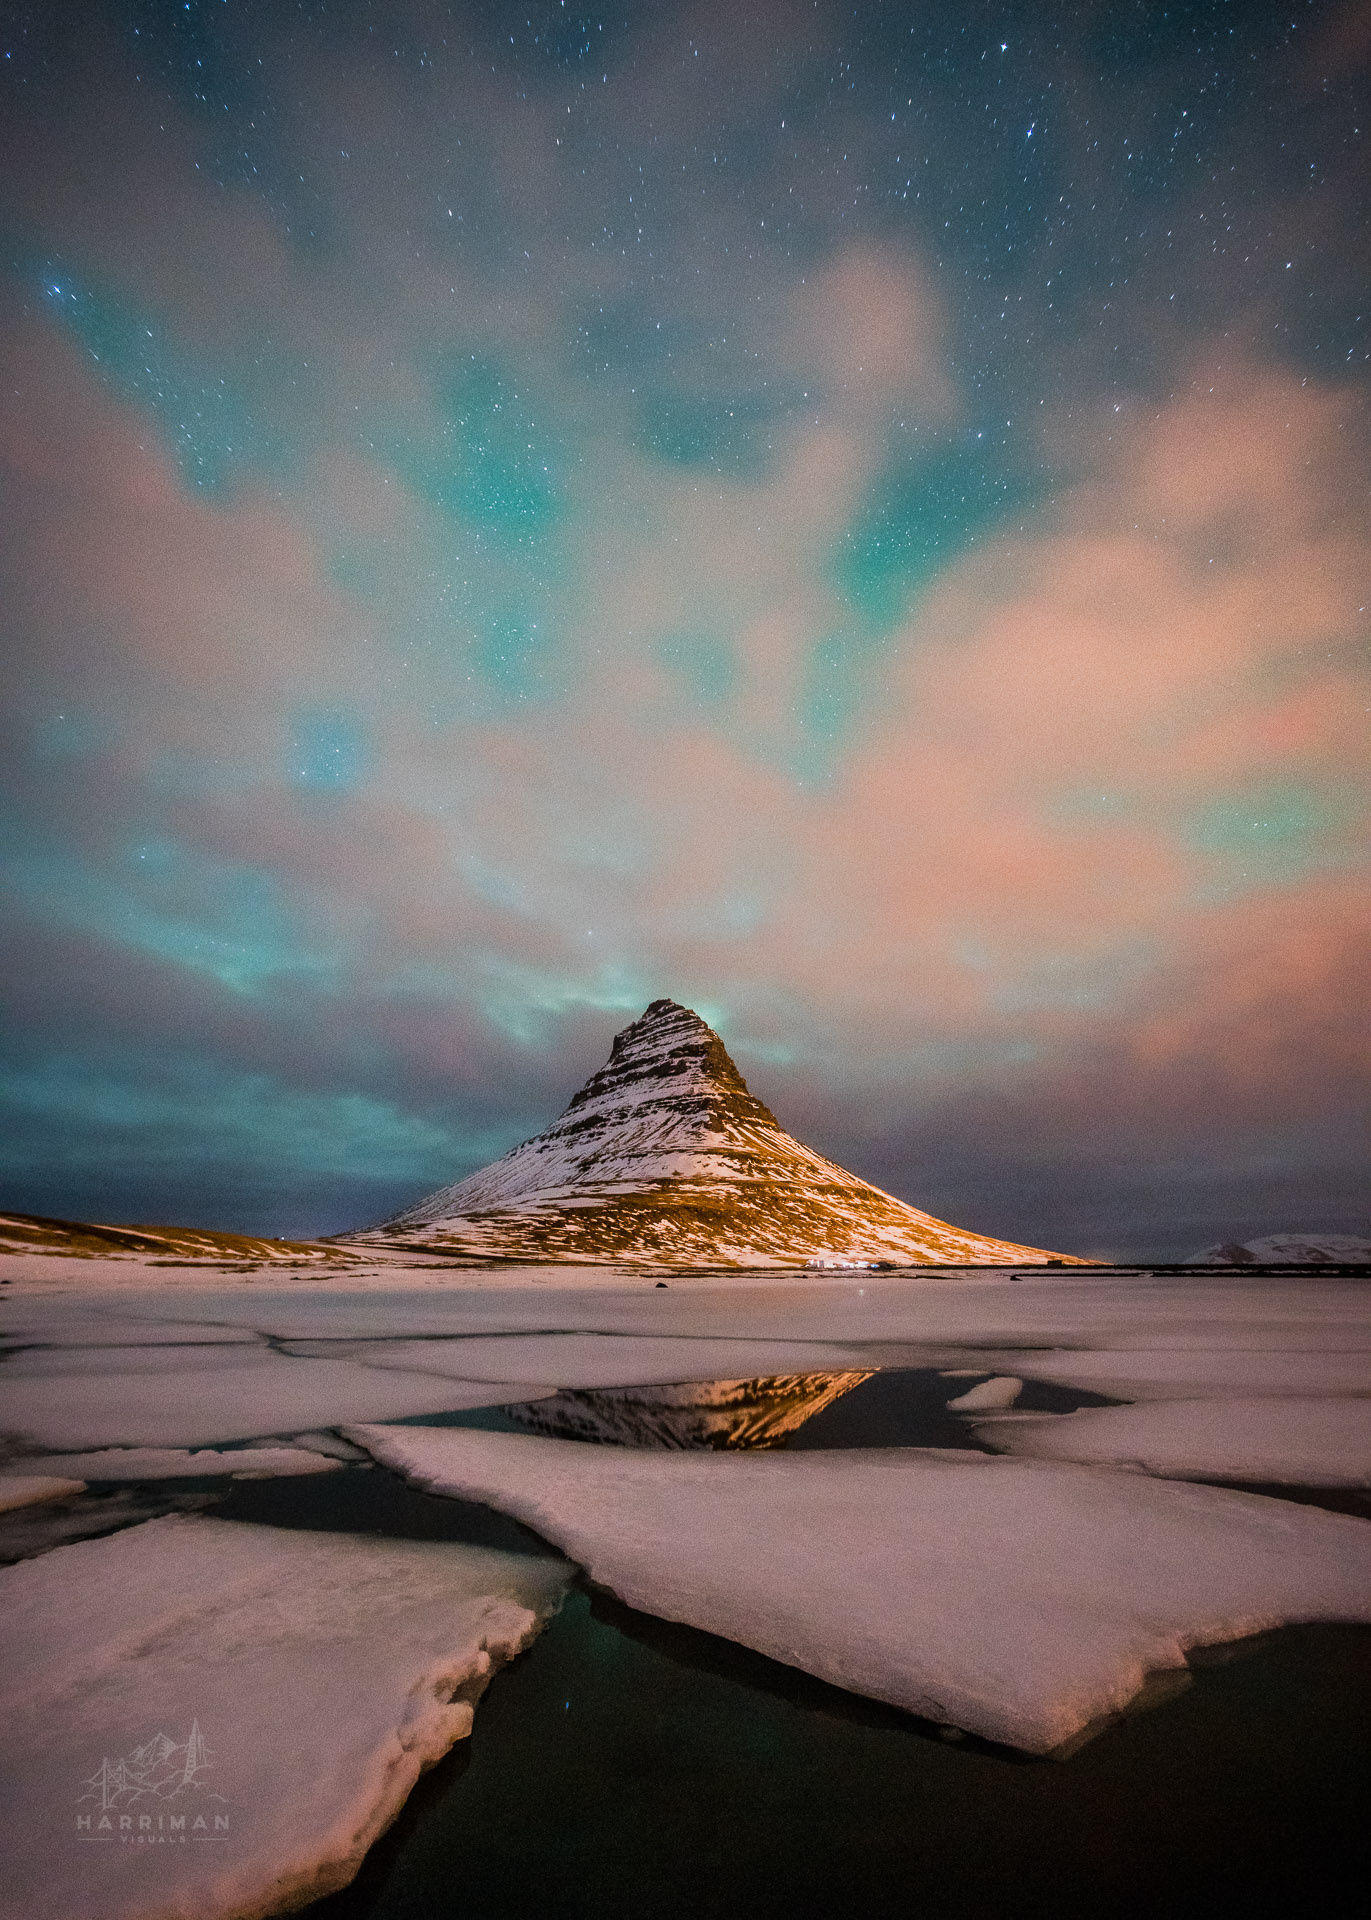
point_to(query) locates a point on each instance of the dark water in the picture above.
(622, 1768)
(897, 1407)
(29, 1531)
(627, 1767)
(371, 1500)
(907, 1407)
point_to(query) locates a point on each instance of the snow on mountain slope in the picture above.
(1289, 1250)
(32, 1233)
(664, 1157)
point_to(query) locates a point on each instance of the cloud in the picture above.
(871, 330)
(450, 633)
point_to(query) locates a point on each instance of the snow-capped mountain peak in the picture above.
(668, 1063)
(665, 1157)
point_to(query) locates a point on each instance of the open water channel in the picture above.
(624, 1767)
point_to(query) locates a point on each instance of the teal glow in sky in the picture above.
(853, 518)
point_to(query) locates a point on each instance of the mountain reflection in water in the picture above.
(702, 1413)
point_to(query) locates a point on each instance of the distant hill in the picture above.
(1289, 1250)
(665, 1158)
(23, 1233)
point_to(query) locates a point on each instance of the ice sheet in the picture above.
(1187, 1373)
(1020, 1600)
(1001, 1391)
(588, 1359)
(130, 1357)
(90, 1319)
(179, 1463)
(1107, 1313)
(1131, 1337)
(1291, 1442)
(191, 1406)
(322, 1672)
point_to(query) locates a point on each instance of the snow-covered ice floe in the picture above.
(1114, 1315)
(171, 1399)
(1187, 1370)
(286, 1688)
(990, 1396)
(179, 1463)
(1322, 1442)
(585, 1359)
(1019, 1600)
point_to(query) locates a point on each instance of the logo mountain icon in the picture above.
(160, 1769)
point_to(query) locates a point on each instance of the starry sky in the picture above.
(853, 517)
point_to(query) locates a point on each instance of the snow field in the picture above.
(1019, 1600)
(179, 1463)
(323, 1671)
(171, 1400)
(1283, 1442)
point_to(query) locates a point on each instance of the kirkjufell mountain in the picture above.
(724, 1415)
(665, 1159)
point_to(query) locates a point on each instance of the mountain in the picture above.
(664, 1158)
(98, 1243)
(719, 1414)
(1289, 1250)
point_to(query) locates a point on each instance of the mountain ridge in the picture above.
(665, 1157)
(1288, 1249)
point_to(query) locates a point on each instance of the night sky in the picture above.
(853, 517)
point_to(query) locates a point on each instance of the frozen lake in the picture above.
(835, 1551)
(621, 1768)
(624, 1765)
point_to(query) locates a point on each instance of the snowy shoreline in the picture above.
(25, 1274)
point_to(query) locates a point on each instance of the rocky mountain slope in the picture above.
(665, 1158)
(99, 1243)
